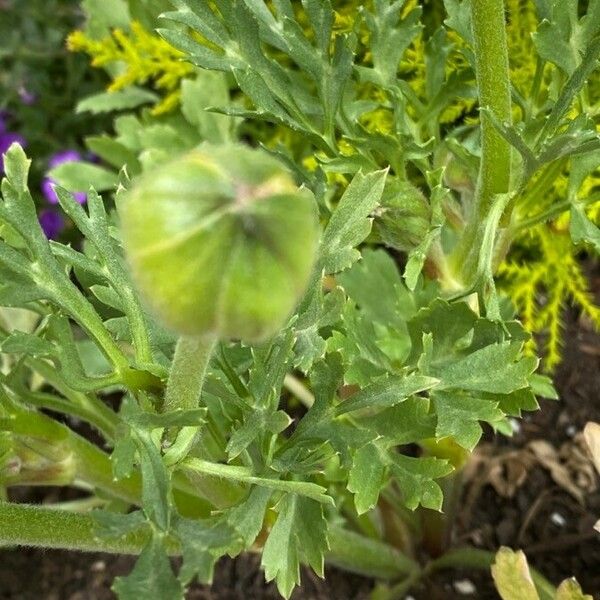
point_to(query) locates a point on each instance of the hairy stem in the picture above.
(358, 554)
(192, 355)
(491, 63)
(26, 525)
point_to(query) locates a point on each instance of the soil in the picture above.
(532, 511)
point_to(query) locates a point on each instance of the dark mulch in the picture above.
(542, 518)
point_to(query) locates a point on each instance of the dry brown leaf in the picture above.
(576, 457)
(591, 434)
(548, 457)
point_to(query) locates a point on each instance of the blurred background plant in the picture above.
(40, 84)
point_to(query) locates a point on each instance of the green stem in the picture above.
(353, 552)
(26, 525)
(93, 466)
(438, 526)
(553, 212)
(97, 414)
(491, 64)
(192, 355)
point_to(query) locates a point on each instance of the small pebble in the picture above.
(465, 587)
(558, 519)
(571, 430)
(98, 566)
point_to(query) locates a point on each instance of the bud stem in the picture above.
(192, 355)
(493, 82)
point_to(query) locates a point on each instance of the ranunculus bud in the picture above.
(404, 215)
(220, 242)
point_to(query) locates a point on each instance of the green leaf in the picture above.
(459, 18)
(114, 153)
(582, 229)
(104, 15)
(418, 255)
(202, 543)
(114, 525)
(26, 343)
(156, 485)
(78, 176)
(512, 577)
(245, 475)
(197, 95)
(125, 99)
(16, 167)
(391, 35)
(366, 477)
(416, 480)
(459, 415)
(300, 533)
(350, 223)
(408, 422)
(497, 368)
(318, 311)
(152, 576)
(247, 517)
(392, 304)
(388, 392)
(124, 451)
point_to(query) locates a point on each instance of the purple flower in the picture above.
(48, 183)
(52, 223)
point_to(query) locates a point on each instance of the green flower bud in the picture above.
(403, 218)
(220, 242)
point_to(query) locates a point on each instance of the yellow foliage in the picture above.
(543, 283)
(142, 57)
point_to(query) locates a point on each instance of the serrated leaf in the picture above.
(152, 576)
(300, 533)
(208, 89)
(582, 229)
(512, 577)
(350, 224)
(366, 477)
(392, 304)
(248, 516)
(123, 454)
(459, 18)
(202, 543)
(391, 35)
(19, 342)
(156, 485)
(416, 480)
(388, 392)
(498, 369)
(112, 525)
(408, 422)
(459, 415)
